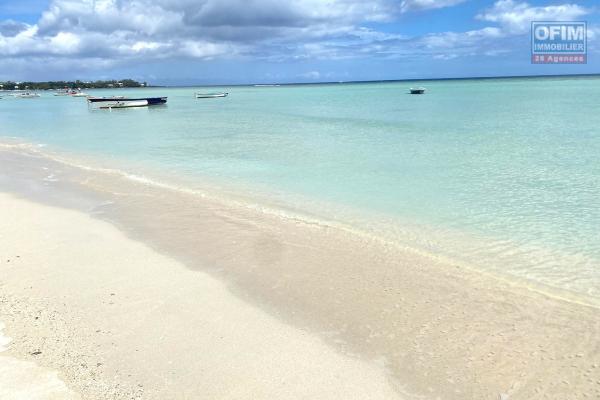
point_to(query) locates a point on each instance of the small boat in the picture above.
(106, 103)
(419, 90)
(210, 95)
(71, 92)
(27, 95)
(64, 92)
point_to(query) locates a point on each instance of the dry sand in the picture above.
(120, 321)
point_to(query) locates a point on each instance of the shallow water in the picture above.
(502, 175)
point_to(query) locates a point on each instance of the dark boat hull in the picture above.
(152, 101)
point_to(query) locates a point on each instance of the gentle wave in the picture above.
(441, 245)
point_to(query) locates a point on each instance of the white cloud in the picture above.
(126, 30)
(145, 46)
(510, 17)
(460, 39)
(516, 18)
(65, 43)
(129, 31)
(206, 50)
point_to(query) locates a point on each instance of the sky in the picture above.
(180, 42)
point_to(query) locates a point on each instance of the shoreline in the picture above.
(425, 320)
(426, 243)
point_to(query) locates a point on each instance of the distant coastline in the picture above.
(129, 83)
(77, 84)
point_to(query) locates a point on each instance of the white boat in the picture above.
(71, 92)
(419, 90)
(108, 103)
(65, 92)
(26, 95)
(210, 95)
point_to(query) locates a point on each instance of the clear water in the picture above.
(501, 174)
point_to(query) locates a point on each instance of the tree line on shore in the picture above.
(53, 85)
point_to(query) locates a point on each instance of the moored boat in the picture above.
(124, 102)
(419, 90)
(65, 92)
(26, 95)
(211, 95)
(71, 92)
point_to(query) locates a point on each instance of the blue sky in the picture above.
(254, 41)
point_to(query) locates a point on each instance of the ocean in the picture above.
(499, 175)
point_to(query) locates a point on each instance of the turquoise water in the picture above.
(501, 174)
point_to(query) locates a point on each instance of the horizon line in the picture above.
(586, 75)
(490, 77)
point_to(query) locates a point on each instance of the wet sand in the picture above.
(416, 324)
(119, 321)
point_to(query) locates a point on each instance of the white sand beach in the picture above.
(116, 289)
(117, 320)
(299, 200)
